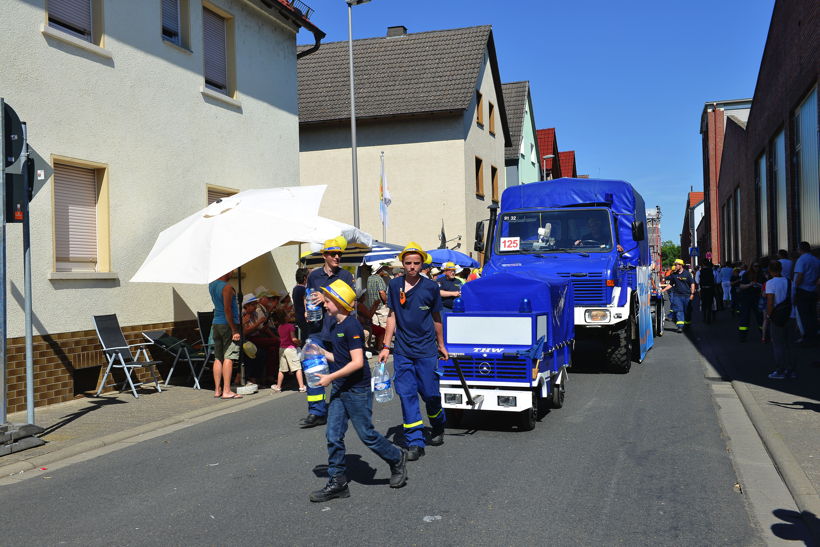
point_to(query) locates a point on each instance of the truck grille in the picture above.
(589, 290)
(488, 368)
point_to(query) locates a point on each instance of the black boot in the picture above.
(398, 471)
(414, 453)
(336, 487)
(437, 435)
(312, 420)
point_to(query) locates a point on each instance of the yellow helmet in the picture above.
(448, 266)
(414, 247)
(341, 293)
(336, 244)
(679, 261)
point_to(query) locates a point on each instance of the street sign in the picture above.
(14, 139)
(693, 251)
(18, 192)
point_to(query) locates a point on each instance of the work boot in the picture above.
(312, 420)
(414, 453)
(398, 471)
(437, 435)
(336, 487)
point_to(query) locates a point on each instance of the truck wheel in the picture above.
(619, 349)
(527, 418)
(658, 318)
(557, 395)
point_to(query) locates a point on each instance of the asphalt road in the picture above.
(636, 459)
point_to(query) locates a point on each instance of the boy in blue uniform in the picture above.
(682, 285)
(319, 279)
(415, 319)
(350, 397)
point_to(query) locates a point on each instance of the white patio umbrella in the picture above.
(236, 229)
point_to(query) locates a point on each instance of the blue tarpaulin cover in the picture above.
(627, 204)
(502, 292)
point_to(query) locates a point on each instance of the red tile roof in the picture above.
(567, 160)
(298, 15)
(546, 144)
(695, 198)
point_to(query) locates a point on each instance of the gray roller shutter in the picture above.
(73, 16)
(215, 50)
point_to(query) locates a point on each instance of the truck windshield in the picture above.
(585, 230)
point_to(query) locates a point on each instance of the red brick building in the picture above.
(548, 145)
(769, 188)
(567, 161)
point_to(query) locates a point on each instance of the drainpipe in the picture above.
(317, 33)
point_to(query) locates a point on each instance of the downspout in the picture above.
(317, 35)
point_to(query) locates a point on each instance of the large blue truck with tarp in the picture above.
(591, 233)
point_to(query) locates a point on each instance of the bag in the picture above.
(783, 311)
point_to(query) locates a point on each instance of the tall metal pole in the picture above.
(27, 182)
(384, 220)
(3, 325)
(353, 119)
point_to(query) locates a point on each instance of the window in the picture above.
(79, 18)
(494, 178)
(479, 177)
(808, 189)
(779, 191)
(762, 192)
(175, 28)
(217, 51)
(492, 118)
(522, 150)
(736, 223)
(533, 158)
(80, 218)
(217, 192)
(479, 108)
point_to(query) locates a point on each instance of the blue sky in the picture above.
(623, 83)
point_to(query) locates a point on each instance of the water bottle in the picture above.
(382, 384)
(314, 311)
(313, 363)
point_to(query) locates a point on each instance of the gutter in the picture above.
(300, 20)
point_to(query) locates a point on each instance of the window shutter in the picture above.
(807, 169)
(170, 20)
(75, 217)
(71, 15)
(215, 50)
(215, 194)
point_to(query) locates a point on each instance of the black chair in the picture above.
(179, 349)
(204, 320)
(118, 353)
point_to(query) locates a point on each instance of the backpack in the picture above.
(783, 311)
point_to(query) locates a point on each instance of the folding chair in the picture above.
(180, 349)
(118, 353)
(204, 320)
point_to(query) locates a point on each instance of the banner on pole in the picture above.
(384, 194)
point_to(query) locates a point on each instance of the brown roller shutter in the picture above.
(215, 194)
(73, 16)
(215, 50)
(75, 217)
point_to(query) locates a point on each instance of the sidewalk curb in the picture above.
(193, 416)
(799, 485)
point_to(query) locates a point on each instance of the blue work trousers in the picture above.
(414, 377)
(354, 405)
(680, 304)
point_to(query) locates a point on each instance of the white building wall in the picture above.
(142, 114)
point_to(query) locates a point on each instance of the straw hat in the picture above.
(341, 293)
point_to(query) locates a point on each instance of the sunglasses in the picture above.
(334, 253)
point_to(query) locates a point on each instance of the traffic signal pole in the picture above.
(3, 325)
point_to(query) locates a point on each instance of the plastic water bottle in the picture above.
(313, 363)
(382, 384)
(314, 311)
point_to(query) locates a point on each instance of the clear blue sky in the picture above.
(623, 83)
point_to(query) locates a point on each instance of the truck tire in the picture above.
(527, 418)
(658, 319)
(557, 395)
(619, 349)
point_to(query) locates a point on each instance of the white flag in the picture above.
(384, 194)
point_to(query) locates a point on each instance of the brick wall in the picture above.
(68, 364)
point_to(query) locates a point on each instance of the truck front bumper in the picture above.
(505, 400)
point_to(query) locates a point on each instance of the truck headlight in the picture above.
(596, 316)
(507, 400)
(452, 398)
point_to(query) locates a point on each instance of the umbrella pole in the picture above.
(239, 296)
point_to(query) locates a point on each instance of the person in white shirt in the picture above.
(778, 311)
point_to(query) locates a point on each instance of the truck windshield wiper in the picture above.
(568, 250)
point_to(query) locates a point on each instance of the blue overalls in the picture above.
(681, 291)
(415, 356)
(317, 279)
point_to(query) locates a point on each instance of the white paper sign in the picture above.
(510, 243)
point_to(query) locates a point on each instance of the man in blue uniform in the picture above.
(317, 280)
(449, 288)
(415, 319)
(682, 285)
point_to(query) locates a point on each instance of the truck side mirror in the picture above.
(479, 237)
(638, 230)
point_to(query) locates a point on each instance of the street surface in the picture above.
(636, 459)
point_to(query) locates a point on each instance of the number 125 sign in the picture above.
(510, 243)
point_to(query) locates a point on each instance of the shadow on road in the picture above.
(796, 526)
(96, 404)
(358, 471)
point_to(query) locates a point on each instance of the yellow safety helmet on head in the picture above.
(341, 293)
(448, 266)
(414, 247)
(336, 244)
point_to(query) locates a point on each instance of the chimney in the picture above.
(399, 30)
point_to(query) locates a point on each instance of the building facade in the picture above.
(522, 156)
(141, 111)
(690, 245)
(440, 121)
(769, 194)
(548, 148)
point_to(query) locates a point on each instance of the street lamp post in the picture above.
(350, 4)
(544, 164)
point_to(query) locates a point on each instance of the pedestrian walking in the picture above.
(726, 285)
(317, 280)
(707, 291)
(350, 397)
(748, 295)
(806, 273)
(778, 310)
(682, 292)
(415, 320)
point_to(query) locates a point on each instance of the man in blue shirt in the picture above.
(317, 280)
(449, 289)
(415, 319)
(806, 272)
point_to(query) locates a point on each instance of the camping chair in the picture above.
(118, 353)
(180, 349)
(204, 320)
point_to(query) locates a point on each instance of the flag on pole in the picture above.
(384, 194)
